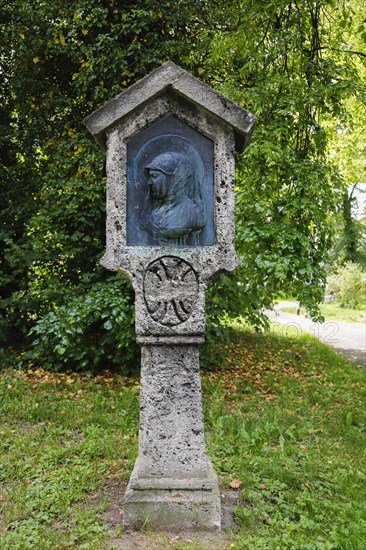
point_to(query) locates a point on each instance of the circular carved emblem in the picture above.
(170, 290)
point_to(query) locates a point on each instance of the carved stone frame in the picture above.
(206, 260)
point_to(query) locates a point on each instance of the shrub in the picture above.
(92, 329)
(349, 283)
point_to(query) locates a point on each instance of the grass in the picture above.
(333, 312)
(62, 437)
(284, 416)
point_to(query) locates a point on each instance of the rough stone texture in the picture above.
(173, 485)
(176, 509)
(171, 439)
(205, 260)
(117, 253)
(147, 539)
(170, 290)
(169, 74)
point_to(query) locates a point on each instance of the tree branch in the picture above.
(353, 52)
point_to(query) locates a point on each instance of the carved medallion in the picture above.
(170, 290)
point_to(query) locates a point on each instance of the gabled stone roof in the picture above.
(169, 75)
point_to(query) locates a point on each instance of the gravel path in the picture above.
(348, 339)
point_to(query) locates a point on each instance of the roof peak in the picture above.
(170, 75)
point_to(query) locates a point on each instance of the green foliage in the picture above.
(228, 297)
(300, 70)
(349, 284)
(288, 423)
(333, 311)
(59, 442)
(291, 66)
(350, 242)
(347, 150)
(92, 329)
(59, 62)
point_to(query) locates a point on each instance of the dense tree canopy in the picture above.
(59, 62)
(298, 66)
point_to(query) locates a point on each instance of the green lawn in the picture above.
(286, 417)
(333, 312)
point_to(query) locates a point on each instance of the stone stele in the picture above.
(170, 142)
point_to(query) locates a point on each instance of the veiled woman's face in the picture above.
(158, 183)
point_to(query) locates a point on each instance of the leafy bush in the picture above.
(349, 284)
(228, 298)
(94, 327)
(90, 330)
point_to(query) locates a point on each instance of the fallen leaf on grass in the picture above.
(272, 397)
(235, 484)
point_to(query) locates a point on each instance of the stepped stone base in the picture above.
(173, 504)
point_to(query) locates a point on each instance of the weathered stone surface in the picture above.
(173, 484)
(171, 436)
(209, 259)
(205, 260)
(173, 508)
(170, 144)
(170, 290)
(154, 84)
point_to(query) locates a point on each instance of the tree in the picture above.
(295, 67)
(347, 151)
(348, 284)
(59, 62)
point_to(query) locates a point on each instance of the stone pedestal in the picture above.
(170, 142)
(173, 484)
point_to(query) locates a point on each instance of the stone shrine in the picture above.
(170, 142)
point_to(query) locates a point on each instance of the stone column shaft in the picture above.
(173, 484)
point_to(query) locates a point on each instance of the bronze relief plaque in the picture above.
(170, 186)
